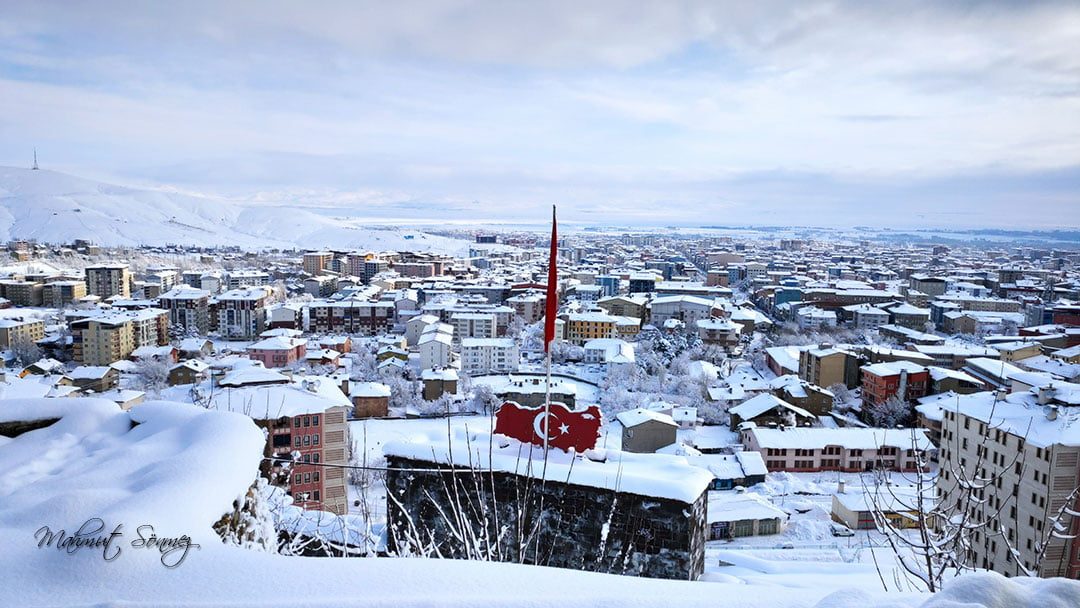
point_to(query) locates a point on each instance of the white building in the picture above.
(415, 327)
(435, 346)
(609, 352)
(489, 355)
(813, 318)
(688, 309)
(474, 325)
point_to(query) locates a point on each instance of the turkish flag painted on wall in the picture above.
(565, 428)
(552, 303)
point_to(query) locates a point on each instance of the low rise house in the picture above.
(646, 431)
(738, 514)
(96, 378)
(278, 351)
(611, 352)
(531, 391)
(191, 371)
(743, 468)
(859, 510)
(767, 409)
(438, 382)
(369, 399)
(843, 449)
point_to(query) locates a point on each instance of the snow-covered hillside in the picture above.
(55, 207)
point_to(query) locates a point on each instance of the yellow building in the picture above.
(103, 340)
(585, 326)
(20, 331)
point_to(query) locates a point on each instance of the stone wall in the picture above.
(515, 518)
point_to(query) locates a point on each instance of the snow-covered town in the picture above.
(543, 304)
(808, 413)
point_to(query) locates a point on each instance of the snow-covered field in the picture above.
(178, 468)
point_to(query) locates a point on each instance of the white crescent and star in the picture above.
(539, 426)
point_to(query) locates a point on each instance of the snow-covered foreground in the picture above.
(178, 468)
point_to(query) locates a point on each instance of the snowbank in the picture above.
(178, 467)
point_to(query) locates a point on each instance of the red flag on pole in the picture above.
(552, 303)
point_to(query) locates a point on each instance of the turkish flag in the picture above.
(565, 428)
(551, 305)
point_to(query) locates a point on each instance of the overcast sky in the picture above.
(949, 113)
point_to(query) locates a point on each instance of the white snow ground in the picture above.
(181, 467)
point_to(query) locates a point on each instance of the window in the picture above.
(296, 478)
(297, 442)
(307, 421)
(317, 499)
(307, 477)
(315, 457)
(315, 477)
(315, 420)
(315, 439)
(307, 440)
(296, 422)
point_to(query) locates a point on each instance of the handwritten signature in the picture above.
(93, 535)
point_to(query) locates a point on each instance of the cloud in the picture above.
(620, 107)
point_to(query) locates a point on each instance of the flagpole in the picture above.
(551, 308)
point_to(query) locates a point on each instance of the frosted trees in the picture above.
(25, 352)
(152, 374)
(888, 413)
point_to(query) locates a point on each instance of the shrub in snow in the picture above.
(250, 524)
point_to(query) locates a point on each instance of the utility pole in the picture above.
(35, 167)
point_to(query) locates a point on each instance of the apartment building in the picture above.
(102, 340)
(240, 313)
(688, 309)
(634, 305)
(315, 262)
(308, 416)
(474, 325)
(489, 355)
(584, 326)
(107, 280)
(239, 279)
(22, 292)
(811, 318)
(825, 366)
(61, 294)
(350, 316)
(189, 308)
(435, 345)
(881, 381)
(1027, 444)
(15, 331)
(529, 306)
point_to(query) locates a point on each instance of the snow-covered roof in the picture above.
(277, 343)
(652, 475)
(89, 372)
(267, 401)
(760, 404)
(848, 438)
(641, 415)
(252, 374)
(741, 506)
(368, 389)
